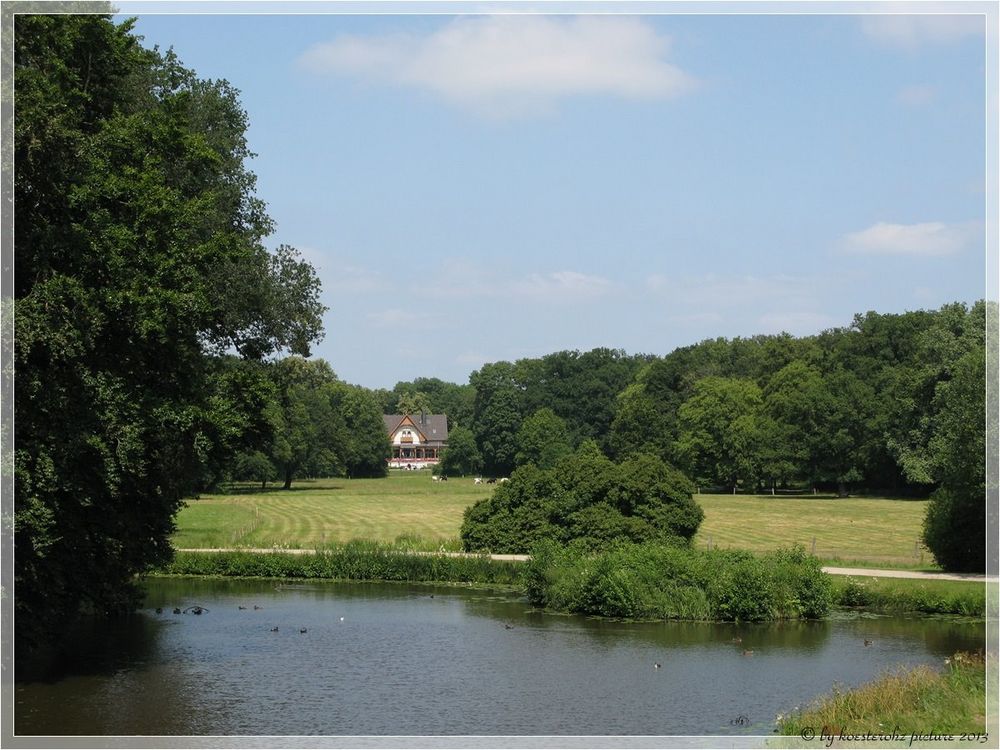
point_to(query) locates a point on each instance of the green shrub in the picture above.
(585, 497)
(652, 581)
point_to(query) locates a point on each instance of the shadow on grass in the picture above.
(256, 489)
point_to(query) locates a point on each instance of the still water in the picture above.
(390, 659)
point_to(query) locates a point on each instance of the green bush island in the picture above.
(585, 498)
(655, 581)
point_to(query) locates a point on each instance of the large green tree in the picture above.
(461, 457)
(955, 525)
(138, 253)
(720, 432)
(367, 447)
(542, 440)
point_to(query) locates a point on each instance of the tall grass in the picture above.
(358, 560)
(920, 699)
(897, 595)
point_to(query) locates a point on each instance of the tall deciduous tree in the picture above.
(138, 249)
(720, 431)
(542, 440)
(955, 525)
(461, 457)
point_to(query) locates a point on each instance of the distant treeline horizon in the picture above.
(853, 406)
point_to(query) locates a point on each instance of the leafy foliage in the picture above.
(955, 528)
(588, 499)
(138, 253)
(651, 581)
(461, 457)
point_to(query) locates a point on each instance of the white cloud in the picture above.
(916, 96)
(508, 66)
(733, 291)
(929, 239)
(406, 320)
(909, 32)
(561, 285)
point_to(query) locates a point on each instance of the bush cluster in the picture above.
(651, 581)
(588, 499)
(365, 561)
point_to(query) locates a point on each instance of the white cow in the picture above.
(477, 480)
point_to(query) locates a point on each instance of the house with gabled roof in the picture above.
(417, 439)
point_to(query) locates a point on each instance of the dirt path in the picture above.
(861, 572)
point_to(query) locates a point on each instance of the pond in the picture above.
(324, 658)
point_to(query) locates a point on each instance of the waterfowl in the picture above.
(177, 610)
(241, 607)
(341, 619)
(867, 642)
(274, 629)
(657, 665)
(257, 607)
(747, 652)
(159, 610)
(508, 626)
(196, 610)
(737, 639)
(302, 630)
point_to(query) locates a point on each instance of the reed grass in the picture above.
(355, 561)
(901, 595)
(919, 700)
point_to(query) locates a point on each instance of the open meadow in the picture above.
(878, 531)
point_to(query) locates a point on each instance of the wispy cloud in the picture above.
(916, 96)
(731, 291)
(928, 239)
(510, 66)
(912, 31)
(561, 285)
(407, 320)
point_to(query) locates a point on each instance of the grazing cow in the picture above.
(477, 480)
(504, 479)
(444, 478)
(491, 480)
(435, 478)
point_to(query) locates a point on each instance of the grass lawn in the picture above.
(873, 531)
(327, 511)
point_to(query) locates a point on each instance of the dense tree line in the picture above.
(893, 403)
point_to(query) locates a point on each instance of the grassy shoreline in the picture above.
(919, 700)
(375, 561)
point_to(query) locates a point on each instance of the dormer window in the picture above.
(406, 436)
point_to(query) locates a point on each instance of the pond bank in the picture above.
(373, 561)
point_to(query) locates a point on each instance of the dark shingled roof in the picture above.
(433, 426)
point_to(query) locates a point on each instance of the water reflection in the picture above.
(412, 659)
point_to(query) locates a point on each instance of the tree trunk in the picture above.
(288, 477)
(841, 489)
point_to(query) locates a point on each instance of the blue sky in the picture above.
(479, 188)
